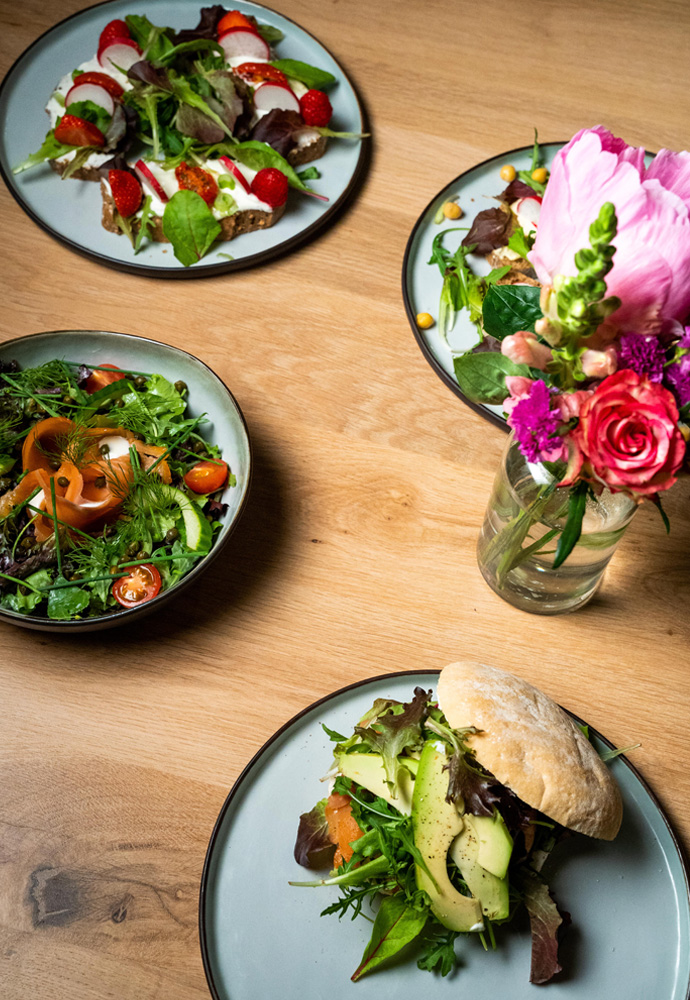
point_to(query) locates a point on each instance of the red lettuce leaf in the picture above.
(517, 189)
(545, 921)
(206, 28)
(489, 231)
(279, 129)
(313, 849)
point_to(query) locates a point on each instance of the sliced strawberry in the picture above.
(234, 19)
(271, 186)
(254, 72)
(101, 80)
(115, 29)
(199, 180)
(126, 189)
(73, 131)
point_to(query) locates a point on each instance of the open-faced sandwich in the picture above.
(195, 135)
(444, 811)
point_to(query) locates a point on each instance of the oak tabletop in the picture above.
(356, 554)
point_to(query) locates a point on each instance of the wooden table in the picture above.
(356, 555)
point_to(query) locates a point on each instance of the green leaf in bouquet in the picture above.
(509, 308)
(573, 526)
(482, 377)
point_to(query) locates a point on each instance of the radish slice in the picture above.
(527, 211)
(121, 53)
(275, 95)
(242, 42)
(149, 182)
(233, 169)
(90, 92)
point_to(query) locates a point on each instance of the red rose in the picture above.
(628, 433)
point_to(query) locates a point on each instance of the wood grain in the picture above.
(356, 553)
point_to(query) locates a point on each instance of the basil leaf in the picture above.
(482, 377)
(509, 308)
(310, 76)
(65, 602)
(189, 224)
(257, 155)
(270, 34)
(396, 924)
(573, 525)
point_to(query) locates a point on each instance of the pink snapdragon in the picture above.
(524, 349)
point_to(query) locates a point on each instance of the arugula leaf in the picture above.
(509, 308)
(439, 955)
(482, 377)
(396, 924)
(310, 174)
(332, 735)
(190, 226)
(310, 76)
(526, 175)
(50, 150)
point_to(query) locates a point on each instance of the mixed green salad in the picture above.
(417, 827)
(109, 493)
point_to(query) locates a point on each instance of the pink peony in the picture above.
(651, 267)
(629, 436)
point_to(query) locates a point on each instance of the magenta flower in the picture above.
(536, 425)
(651, 267)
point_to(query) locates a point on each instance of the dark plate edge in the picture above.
(198, 270)
(128, 615)
(203, 940)
(479, 408)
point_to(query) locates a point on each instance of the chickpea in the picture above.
(452, 210)
(424, 320)
(508, 173)
(539, 175)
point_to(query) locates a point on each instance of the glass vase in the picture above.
(525, 517)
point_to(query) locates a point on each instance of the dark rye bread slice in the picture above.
(83, 174)
(246, 221)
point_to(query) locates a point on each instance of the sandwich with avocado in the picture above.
(444, 810)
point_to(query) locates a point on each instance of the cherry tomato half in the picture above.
(234, 19)
(99, 379)
(207, 477)
(260, 72)
(141, 585)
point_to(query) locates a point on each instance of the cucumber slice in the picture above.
(197, 530)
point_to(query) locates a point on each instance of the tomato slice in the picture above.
(234, 19)
(99, 379)
(197, 179)
(207, 477)
(254, 72)
(141, 585)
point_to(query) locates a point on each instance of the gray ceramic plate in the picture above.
(71, 210)
(207, 394)
(260, 937)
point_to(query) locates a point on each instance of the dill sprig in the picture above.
(51, 375)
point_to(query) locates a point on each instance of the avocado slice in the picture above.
(491, 891)
(495, 843)
(436, 823)
(198, 532)
(368, 771)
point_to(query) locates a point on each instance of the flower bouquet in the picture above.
(589, 354)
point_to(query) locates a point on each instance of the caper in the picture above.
(110, 531)
(63, 481)
(99, 482)
(119, 404)
(30, 406)
(104, 449)
(67, 398)
(199, 446)
(40, 408)
(181, 386)
(141, 554)
(23, 591)
(140, 381)
(73, 577)
(26, 542)
(132, 550)
(54, 463)
(172, 535)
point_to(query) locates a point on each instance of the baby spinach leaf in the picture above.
(482, 377)
(270, 34)
(397, 923)
(509, 308)
(189, 224)
(257, 155)
(310, 76)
